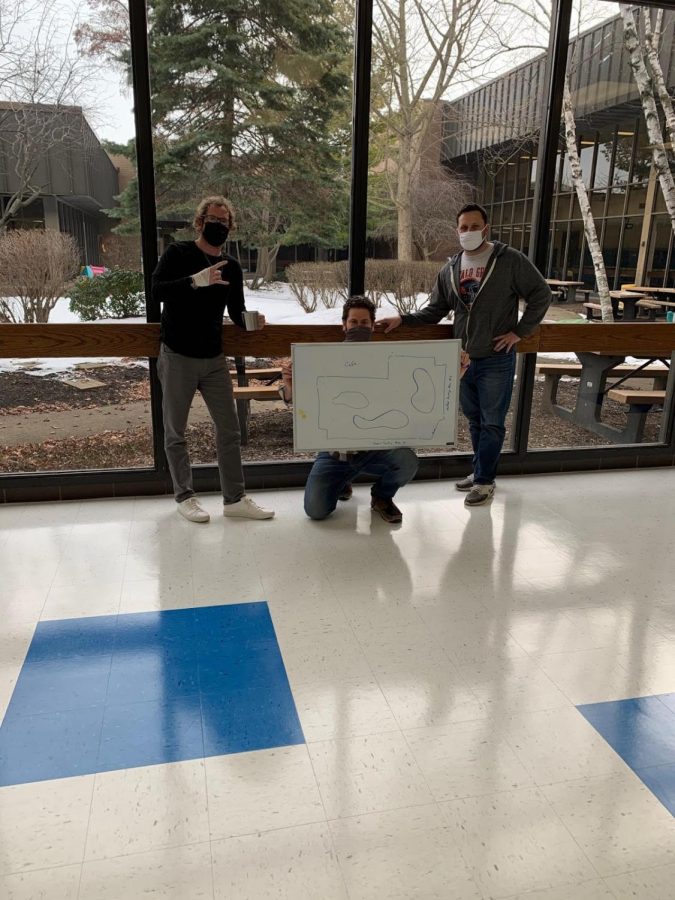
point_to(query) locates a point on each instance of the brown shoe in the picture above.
(387, 509)
(346, 492)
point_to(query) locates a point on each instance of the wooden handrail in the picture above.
(142, 340)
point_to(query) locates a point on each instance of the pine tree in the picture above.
(250, 99)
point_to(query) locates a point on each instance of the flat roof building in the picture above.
(52, 154)
(491, 134)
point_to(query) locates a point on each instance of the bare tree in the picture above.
(35, 268)
(435, 203)
(41, 80)
(421, 47)
(106, 34)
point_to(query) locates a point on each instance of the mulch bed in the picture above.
(21, 392)
(270, 431)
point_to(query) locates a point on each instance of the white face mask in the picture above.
(470, 240)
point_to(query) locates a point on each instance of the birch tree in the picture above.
(651, 43)
(645, 88)
(590, 230)
(540, 16)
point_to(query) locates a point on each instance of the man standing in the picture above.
(332, 474)
(483, 284)
(196, 282)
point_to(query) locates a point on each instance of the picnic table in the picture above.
(658, 296)
(629, 300)
(568, 289)
(244, 393)
(593, 372)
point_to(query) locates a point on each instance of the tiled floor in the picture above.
(436, 669)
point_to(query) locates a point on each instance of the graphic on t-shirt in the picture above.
(470, 278)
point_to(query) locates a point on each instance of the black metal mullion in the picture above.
(549, 140)
(360, 134)
(145, 169)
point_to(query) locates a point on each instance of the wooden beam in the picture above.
(142, 340)
(125, 339)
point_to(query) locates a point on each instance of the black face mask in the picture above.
(215, 233)
(359, 333)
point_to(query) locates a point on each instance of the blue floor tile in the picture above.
(250, 719)
(60, 684)
(56, 745)
(66, 638)
(172, 630)
(151, 675)
(153, 732)
(232, 668)
(114, 692)
(641, 730)
(661, 781)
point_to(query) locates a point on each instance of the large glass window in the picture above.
(586, 152)
(495, 127)
(580, 399)
(255, 101)
(603, 162)
(82, 413)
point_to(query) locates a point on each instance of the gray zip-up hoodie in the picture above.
(509, 276)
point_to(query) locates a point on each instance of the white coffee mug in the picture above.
(252, 320)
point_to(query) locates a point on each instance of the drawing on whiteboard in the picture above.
(364, 403)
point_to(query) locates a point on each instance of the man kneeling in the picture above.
(332, 473)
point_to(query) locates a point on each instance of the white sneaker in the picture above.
(465, 484)
(247, 508)
(479, 494)
(192, 511)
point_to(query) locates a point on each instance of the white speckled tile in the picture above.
(249, 792)
(148, 808)
(367, 774)
(44, 824)
(183, 873)
(288, 864)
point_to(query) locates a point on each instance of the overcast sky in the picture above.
(110, 109)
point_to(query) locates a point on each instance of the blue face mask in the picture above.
(359, 333)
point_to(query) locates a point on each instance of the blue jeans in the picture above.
(485, 395)
(328, 477)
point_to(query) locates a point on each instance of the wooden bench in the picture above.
(639, 403)
(256, 392)
(639, 398)
(616, 298)
(244, 393)
(651, 307)
(260, 374)
(591, 309)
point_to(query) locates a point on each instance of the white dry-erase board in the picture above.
(375, 395)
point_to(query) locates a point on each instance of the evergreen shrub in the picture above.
(117, 294)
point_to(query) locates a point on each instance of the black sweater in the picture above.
(192, 319)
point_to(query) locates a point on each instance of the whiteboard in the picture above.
(375, 395)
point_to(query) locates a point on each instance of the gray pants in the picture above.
(181, 377)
